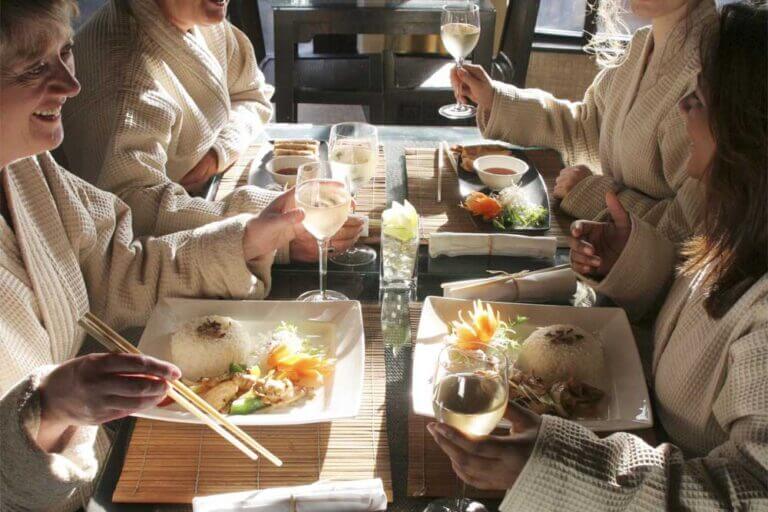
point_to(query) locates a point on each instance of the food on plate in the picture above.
(206, 346)
(288, 171)
(296, 147)
(468, 154)
(484, 206)
(509, 209)
(247, 375)
(560, 369)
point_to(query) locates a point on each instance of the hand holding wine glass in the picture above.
(353, 150)
(326, 202)
(460, 32)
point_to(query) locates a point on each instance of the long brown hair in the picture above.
(733, 249)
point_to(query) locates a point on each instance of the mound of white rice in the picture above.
(206, 346)
(561, 352)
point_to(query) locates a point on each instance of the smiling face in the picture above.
(703, 145)
(32, 92)
(186, 14)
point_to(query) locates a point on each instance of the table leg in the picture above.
(285, 57)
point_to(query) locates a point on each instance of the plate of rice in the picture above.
(261, 362)
(578, 363)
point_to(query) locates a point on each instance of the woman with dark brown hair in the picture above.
(710, 345)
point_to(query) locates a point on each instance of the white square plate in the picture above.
(337, 325)
(628, 408)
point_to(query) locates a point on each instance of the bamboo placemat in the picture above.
(173, 463)
(421, 169)
(371, 200)
(429, 469)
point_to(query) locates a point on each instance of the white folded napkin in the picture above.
(347, 496)
(497, 244)
(366, 222)
(555, 284)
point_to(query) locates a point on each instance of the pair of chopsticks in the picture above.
(479, 283)
(182, 394)
(443, 151)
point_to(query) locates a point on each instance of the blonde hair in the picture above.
(28, 27)
(609, 46)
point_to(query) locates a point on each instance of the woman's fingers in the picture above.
(135, 363)
(130, 403)
(480, 448)
(132, 386)
(583, 259)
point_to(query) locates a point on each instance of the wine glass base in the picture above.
(455, 505)
(457, 111)
(317, 296)
(355, 256)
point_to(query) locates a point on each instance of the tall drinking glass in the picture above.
(459, 31)
(326, 201)
(353, 150)
(470, 393)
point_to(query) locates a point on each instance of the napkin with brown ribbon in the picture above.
(554, 284)
(347, 496)
(491, 244)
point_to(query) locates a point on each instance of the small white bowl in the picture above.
(500, 181)
(286, 162)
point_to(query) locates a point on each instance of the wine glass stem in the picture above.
(322, 246)
(459, 65)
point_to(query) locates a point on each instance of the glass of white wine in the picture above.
(459, 31)
(326, 201)
(353, 150)
(470, 393)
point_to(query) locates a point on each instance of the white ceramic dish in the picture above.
(284, 162)
(499, 181)
(336, 325)
(629, 407)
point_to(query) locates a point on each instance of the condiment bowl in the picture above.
(279, 163)
(498, 181)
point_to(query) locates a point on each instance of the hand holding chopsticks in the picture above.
(182, 395)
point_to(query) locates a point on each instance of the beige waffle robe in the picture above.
(627, 129)
(154, 101)
(710, 379)
(72, 250)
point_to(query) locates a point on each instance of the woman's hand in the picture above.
(98, 388)
(471, 82)
(490, 462)
(569, 178)
(596, 246)
(276, 225)
(304, 247)
(205, 169)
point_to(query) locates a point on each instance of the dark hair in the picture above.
(27, 27)
(733, 247)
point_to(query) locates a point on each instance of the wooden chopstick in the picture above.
(440, 164)
(182, 394)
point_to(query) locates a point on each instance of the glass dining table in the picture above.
(362, 283)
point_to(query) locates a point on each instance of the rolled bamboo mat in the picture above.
(448, 216)
(371, 200)
(173, 463)
(429, 469)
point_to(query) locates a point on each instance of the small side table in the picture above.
(299, 21)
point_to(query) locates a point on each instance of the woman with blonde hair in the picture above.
(66, 248)
(626, 135)
(710, 342)
(172, 95)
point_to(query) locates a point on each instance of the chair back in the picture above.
(511, 64)
(244, 14)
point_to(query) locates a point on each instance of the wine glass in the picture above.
(353, 150)
(470, 393)
(326, 201)
(459, 31)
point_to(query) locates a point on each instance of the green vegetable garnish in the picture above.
(236, 368)
(522, 216)
(246, 404)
